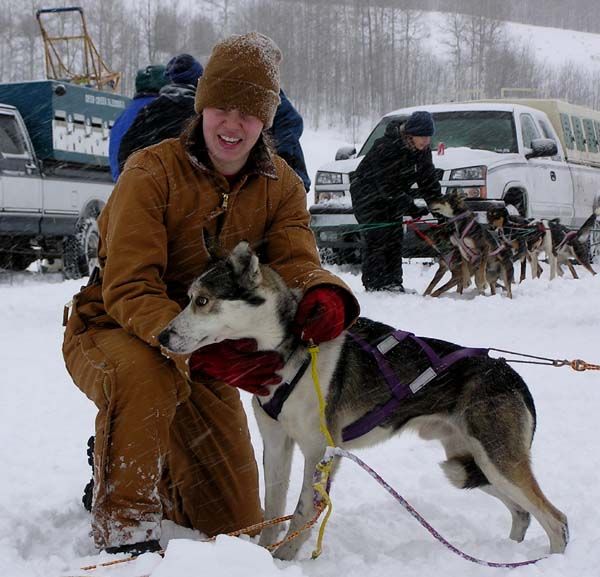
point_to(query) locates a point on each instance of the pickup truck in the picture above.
(54, 173)
(540, 158)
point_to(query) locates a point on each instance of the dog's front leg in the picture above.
(278, 449)
(305, 509)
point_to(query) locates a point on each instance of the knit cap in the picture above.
(242, 73)
(150, 79)
(184, 69)
(420, 123)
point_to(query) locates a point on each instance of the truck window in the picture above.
(548, 133)
(492, 130)
(567, 131)
(11, 137)
(578, 131)
(529, 130)
(590, 135)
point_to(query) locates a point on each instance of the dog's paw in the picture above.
(286, 552)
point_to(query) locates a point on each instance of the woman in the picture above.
(170, 444)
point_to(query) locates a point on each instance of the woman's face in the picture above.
(229, 136)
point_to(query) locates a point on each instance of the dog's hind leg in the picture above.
(520, 517)
(277, 463)
(500, 448)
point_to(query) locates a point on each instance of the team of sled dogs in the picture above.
(480, 409)
(487, 253)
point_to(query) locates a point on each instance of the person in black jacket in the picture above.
(286, 130)
(166, 116)
(381, 196)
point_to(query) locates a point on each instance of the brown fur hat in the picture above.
(242, 73)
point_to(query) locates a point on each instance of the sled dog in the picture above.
(480, 409)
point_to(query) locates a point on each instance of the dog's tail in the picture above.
(463, 472)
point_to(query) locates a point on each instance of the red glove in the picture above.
(239, 364)
(321, 315)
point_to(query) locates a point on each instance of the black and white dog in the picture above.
(479, 409)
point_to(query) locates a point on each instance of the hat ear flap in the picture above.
(246, 265)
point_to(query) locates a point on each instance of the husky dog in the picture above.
(480, 409)
(483, 253)
(525, 237)
(561, 245)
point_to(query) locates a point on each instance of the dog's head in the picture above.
(450, 204)
(235, 298)
(497, 217)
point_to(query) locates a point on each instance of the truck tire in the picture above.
(80, 250)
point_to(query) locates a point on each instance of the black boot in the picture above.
(136, 549)
(88, 492)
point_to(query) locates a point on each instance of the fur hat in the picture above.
(150, 79)
(243, 73)
(420, 123)
(184, 69)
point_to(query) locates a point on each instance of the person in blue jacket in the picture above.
(287, 130)
(148, 82)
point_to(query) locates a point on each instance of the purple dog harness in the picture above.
(399, 390)
(372, 419)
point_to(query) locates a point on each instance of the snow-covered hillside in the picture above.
(555, 47)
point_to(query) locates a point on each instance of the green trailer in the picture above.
(67, 123)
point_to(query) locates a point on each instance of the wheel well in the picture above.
(92, 209)
(518, 198)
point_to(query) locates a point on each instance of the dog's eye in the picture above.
(201, 301)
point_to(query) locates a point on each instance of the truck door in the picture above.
(553, 189)
(20, 177)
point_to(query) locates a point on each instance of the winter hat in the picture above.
(420, 123)
(150, 79)
(184, 69)
(243, 73)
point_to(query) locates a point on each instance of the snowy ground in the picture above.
(45, 422)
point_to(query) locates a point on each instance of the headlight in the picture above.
(469, 173)
(329, 177)
(470, 191)
(329, 195)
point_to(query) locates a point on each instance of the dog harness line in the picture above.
(400, 390)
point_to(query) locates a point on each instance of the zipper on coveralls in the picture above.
(225, 202)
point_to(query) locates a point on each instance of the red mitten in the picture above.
(321, 315)
(239, 364)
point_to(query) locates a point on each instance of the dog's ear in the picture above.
(245, 265)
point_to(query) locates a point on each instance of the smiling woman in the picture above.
(218, 184)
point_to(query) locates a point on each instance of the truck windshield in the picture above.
(492, 130)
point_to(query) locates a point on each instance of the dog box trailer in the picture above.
(541, 158)
(54, 171)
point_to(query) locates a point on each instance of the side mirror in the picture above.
(345, 152)
(541, 147)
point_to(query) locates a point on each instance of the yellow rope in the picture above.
(324, 468)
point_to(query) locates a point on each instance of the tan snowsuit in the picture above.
(167, 447)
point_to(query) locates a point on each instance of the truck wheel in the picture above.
(594, 244)
(80, 250)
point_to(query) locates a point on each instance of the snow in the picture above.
(45, 422)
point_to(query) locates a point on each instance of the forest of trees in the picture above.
(344, 60)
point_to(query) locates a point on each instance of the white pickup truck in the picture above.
(54, 174)
(539, 157)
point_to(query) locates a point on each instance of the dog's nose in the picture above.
(163, 338)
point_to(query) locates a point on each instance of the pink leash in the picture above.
(336, 451)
